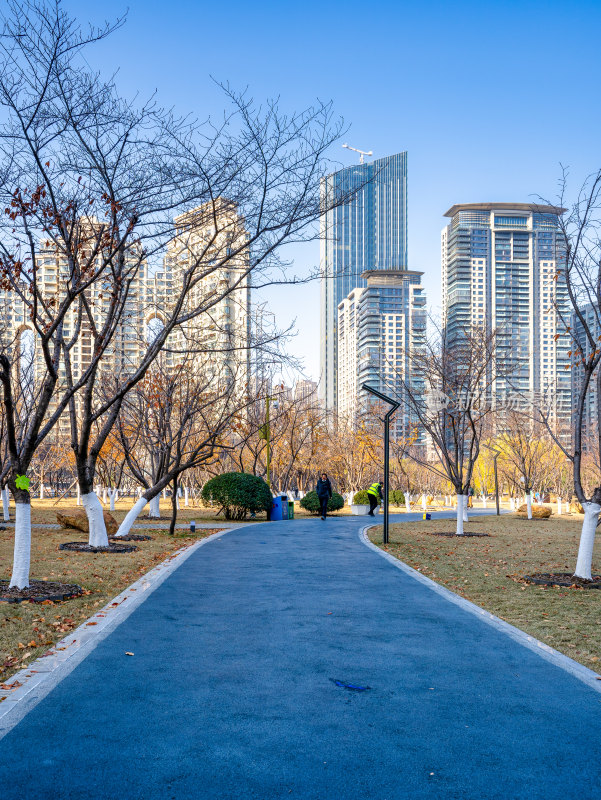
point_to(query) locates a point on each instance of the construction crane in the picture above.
(362, 153)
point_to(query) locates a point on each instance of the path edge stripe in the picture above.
(48, 670)
(579, 671)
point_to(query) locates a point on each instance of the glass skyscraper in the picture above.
(366, 231)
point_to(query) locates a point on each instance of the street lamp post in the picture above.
(497, 453)
(267, 436)
(394, 405)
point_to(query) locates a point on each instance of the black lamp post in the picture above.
(497, 453)
(394, 405)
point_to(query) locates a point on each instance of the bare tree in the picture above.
(175, 420)
(450, 401)
(91, 185)
(578, 268)
(524, 445)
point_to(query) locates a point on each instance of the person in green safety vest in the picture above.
(375, 495)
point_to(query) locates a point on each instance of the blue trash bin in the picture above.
(279, 508)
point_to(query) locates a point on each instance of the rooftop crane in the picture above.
(362, 153)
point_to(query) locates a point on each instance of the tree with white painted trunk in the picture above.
(172, 422)
(41, 193)
(524, 446)
(578, 269)
(91, 184)
(447, 393)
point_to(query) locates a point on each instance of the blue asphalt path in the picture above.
(231, 691)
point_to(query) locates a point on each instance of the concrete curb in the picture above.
(582, 673)
(43, 674)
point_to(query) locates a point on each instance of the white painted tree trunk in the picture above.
(131, 517)
(529, 504)
(112, 498)
(177, 501)
(5, 504)
(407, 502)
(186, 503)
(464, 504)
(22, 551)
(78, 495)
(587, 541)
(559, 508)
(424, 504)
(41, 490)
(483, 501)
(460, 498)
(154, 509)
(92, 506)
(103, 495)
(164, 494)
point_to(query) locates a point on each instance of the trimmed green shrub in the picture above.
(310, 502)
(397, 498)
(361, 498)
(237, 494)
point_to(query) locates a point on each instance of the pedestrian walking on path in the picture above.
(324, 492)
(375, 495)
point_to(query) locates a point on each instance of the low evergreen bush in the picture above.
(310, 502)
(361, 498)
(237, 494)
(397, 498)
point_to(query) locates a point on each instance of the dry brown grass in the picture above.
(28, 629)
(44, 511)
(489, 572)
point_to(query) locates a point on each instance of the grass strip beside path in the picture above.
(489, 572)
(27, 629)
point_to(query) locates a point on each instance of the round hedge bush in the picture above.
(361, 498)
(237, 494)
(310, 502)
(397, 498)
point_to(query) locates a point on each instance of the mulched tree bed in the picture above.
(84, 547)
(565, 579)
(456, 535)
(131, 537)
(39, 591)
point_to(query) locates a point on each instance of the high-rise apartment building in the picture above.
(210, 240)
(305, 392)
(502, 269)
(365, 228)
(379, 327)
(214, 343)
(590, 416)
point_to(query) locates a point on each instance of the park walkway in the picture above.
(232, 690)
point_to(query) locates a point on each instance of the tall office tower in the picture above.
(365, 229)
(379, 326)
(220, 335)
(502, 270)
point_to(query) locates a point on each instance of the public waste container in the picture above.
(291, 509)
(279, 508)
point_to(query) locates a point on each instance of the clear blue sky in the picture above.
(487, 97)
